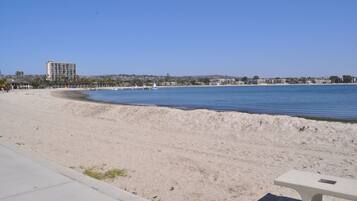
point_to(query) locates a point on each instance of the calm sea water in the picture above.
(331, 101)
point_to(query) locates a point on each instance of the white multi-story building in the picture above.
(57, 71)
(322, 81)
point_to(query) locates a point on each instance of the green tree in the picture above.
(347, 78)
(4, 84)
(167, 78)
(205, 80)
(256, 77)
(193, 82)
(36, 83)
(244, 79)
(335, 79)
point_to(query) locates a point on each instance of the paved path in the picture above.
(23, 179)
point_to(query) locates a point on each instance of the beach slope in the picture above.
(172, 154)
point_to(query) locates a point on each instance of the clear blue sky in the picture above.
(181, 37)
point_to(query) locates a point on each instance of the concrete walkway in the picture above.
(23, 178)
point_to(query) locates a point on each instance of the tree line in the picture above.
(147, 80)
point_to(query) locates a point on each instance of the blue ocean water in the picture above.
(337, 102)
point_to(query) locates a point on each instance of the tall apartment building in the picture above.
(19, 74)
(57, 71)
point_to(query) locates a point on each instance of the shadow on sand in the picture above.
(271, 197)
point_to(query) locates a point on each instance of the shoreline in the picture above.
(228, 85)
(80, 96)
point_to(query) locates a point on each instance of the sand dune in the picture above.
(176, 155)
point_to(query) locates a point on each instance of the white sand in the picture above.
(176, 155)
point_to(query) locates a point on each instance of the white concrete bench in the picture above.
(312, 186)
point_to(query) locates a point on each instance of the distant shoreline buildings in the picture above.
(62, 74)
(60, 71)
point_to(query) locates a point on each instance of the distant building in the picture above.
(168, 83)
(280, 81)
(354, 80)
(276, 81)
(57, 71)
(19, 74)
(221, 81)
(259, 81)
(215, 82)
(239, 82)
(322, 81)
(20, 84)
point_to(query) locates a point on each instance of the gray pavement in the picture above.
(24, 178)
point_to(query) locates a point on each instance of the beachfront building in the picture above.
(58, 71)
(321, 81)
(276, 81)
(259, 81)
(168, 83)
(20, 84)
(239, 82)
(225, 81)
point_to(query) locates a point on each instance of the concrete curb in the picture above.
(102, 187)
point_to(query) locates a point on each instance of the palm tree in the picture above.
(4, 84)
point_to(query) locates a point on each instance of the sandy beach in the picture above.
(177, 155)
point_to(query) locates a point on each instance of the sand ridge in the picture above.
(175, 155)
